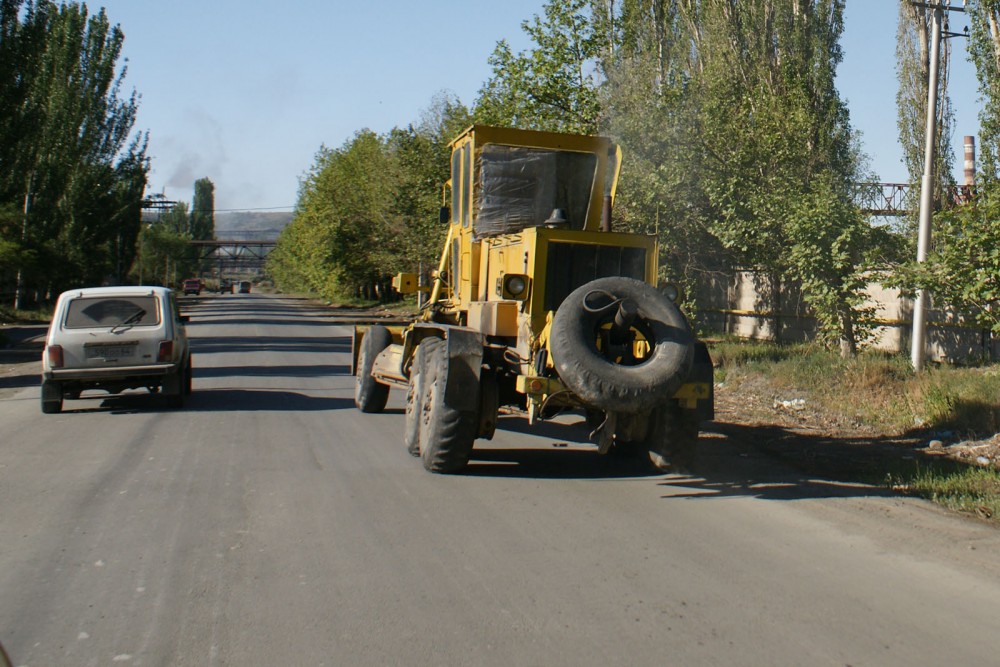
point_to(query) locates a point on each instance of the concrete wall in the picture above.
(741, 303)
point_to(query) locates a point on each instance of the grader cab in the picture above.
(537, 306)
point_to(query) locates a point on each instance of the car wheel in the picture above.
(173, 388)
(52, 398)
(188, 378)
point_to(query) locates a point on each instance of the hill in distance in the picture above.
(241, 225)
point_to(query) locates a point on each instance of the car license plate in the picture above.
(110, 351)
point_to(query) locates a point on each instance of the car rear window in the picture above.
(106, 311)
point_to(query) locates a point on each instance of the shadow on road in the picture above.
(209, 400)
(270, 371)
(212, 345)
(20, 381)
(733, 461)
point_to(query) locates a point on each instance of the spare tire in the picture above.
(602, 383)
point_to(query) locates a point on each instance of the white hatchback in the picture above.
(113, 339)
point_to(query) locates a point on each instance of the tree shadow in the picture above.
(20, 381)
(284, 370)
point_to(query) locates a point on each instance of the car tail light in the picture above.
(166, 350)
(55, 353)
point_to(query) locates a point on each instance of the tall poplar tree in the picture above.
(68, 160)
(203, 210)
(552, 86)
(913, 69)
(984, 50)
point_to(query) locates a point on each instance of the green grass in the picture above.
(41, 315)
(881, 392)
(875, 388)
(970, 490)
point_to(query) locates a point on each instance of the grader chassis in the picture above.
(536, 305)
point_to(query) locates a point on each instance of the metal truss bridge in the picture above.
(897, 199)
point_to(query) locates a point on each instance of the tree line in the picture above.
(739, 153)
(72, 173)
(73, 169)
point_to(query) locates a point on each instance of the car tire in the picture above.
(52, 398)
(446, 434)
(188, 378)
(173, 388)
(369, 394)
(606, 385)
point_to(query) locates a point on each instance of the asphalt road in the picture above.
(271, 523)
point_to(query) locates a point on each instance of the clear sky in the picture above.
(245, 93)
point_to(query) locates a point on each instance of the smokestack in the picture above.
(970, 162)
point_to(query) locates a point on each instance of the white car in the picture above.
(113, 339)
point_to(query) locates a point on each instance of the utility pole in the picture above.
(918, 346)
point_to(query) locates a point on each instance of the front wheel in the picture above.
(446, 434)
(369, 394)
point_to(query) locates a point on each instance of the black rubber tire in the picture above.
(188, 378)
(370, 395)
(614, 387)
(446, 433)
(52, 397)
(414, 398)
(173, 388)
(672, 440)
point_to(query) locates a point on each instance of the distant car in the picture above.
(244, 287)
(113, 339)
(225, 285)
(192, 286)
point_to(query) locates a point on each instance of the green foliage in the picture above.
(984, 51)
(963, 267)
(873, 388)
(913, 70)
(66, 157)
(165, 256)
(554, 85)
(369, 209)
(203, 210)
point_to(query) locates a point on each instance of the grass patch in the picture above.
(970, 490)
(874, 388)
(881, 392)
(40, 315)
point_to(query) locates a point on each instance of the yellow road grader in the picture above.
(537, 306)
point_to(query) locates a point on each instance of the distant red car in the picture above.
(192, 286)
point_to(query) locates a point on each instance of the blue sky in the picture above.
(246, 93)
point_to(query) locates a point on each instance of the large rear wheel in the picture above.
(446, 433)
(369, 394)
(672, 439)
